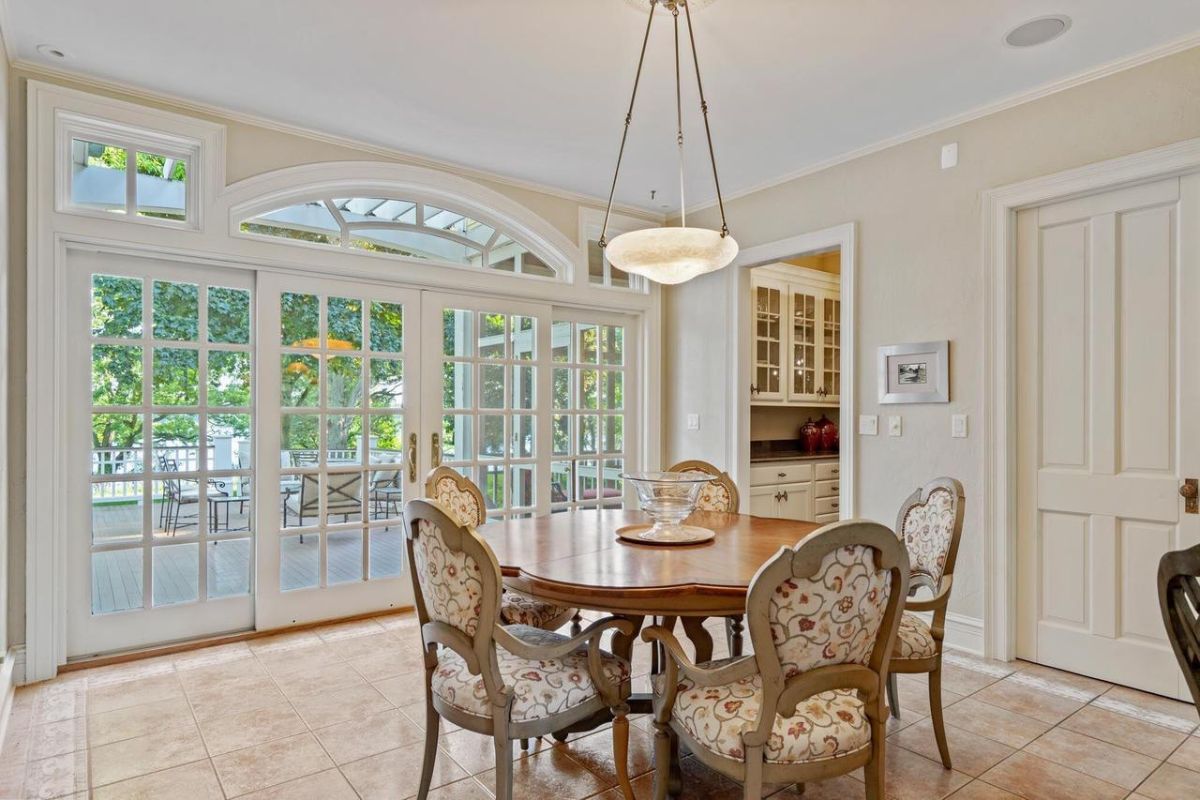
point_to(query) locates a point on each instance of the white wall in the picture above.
(920, 272)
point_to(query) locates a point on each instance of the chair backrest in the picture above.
(461, 498)
(343, 492)
(456, 578)
(832, 599)
(719, 494)
(930, 524)
(1179, 599)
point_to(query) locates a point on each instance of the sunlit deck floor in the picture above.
(117, 574)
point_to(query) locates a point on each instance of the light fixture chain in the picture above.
(704, 112)
(628, 119)
(679, 122)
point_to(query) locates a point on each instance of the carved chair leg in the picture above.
(661, 759)
(504, 764)
(576, 624)
(432, 729)
(733, 634)
(873, 773)
(621, 749)
(893, 694)
(752, 789)
(701, 638)
(935, 712)
(657, 654)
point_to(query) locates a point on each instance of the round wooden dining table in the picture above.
(576, 559)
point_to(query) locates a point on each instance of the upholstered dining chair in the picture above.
(465, 503)
(1179, 599)
(507, 682)
(808, 703)
(719, 495)
(930, 524)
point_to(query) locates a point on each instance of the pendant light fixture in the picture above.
(670, 254)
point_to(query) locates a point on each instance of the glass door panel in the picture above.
(804, 345)
(487, 397)
(831, 360)
(339, 439)
(162, 441)
(768, 342)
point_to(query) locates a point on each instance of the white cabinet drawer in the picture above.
(825, 505)
(767, 474)
(827, 518)
(827, 488)
(828, 470)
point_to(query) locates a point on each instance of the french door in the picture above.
(338, 445)
(160, 497)
(253, 436)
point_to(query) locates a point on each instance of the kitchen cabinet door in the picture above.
(796, 501)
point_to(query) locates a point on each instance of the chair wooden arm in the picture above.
(782, 701)
(448, 636)
(519, 647)
(935, 603)
(700, 676)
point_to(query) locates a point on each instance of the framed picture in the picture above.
(915, 373)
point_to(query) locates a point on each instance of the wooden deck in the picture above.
(117, 574)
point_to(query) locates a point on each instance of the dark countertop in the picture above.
(784, 455)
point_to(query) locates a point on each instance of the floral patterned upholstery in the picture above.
(540, 688)
(451, 582)
(826, 725)
(715, 497)
(927, 531)
(913, 639)
(832, 617)
(462, 506)
(520, 609)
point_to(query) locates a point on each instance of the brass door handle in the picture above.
(435, 450)
(412, 458)
(1190, 492)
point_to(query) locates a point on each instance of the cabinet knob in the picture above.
(781, 474)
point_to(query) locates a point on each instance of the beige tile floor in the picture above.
(337, 713)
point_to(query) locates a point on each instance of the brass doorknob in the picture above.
(1188, 490)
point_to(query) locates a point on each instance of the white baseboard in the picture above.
(964, 633)
(12, 672)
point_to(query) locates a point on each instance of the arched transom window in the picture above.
(408, 228)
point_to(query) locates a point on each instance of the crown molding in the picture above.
(43, 72)
(1045, 90)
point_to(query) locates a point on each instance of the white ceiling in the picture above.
(537, 89)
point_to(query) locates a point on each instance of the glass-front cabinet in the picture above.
(797, 336)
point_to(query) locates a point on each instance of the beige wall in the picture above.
(250, 150)
(920, 272)
(5, 264)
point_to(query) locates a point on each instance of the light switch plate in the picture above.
(693, 422)
(868, 425)
(895, 426)
(950, 155)
(958, 426)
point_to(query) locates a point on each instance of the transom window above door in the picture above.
(407, 228)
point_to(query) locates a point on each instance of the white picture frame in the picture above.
(918, 372)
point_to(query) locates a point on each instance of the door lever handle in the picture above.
(412, 458)
(435, 450)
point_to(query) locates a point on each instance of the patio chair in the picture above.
(175, 496)
(1179, 599)
(808, 704)
(507, 682)
(930, 524)
(386, 490)
(343, 495)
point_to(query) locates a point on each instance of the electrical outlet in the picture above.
(958, 426)
(868, 425)
(693, 422)
(950, 155)
(895, 426)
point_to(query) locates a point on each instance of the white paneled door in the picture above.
(1108, 345)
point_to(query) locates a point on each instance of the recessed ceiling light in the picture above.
(50, 51)
(1038, 31)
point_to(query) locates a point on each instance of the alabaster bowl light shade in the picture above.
(671, 255)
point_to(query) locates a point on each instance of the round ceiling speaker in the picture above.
(1038, 31)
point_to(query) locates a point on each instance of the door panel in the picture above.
(1102, 446)
(339, 417)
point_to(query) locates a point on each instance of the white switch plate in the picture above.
(958, 426)
(895, 426)
(693, 422)
(868, 425)
(950, 155)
